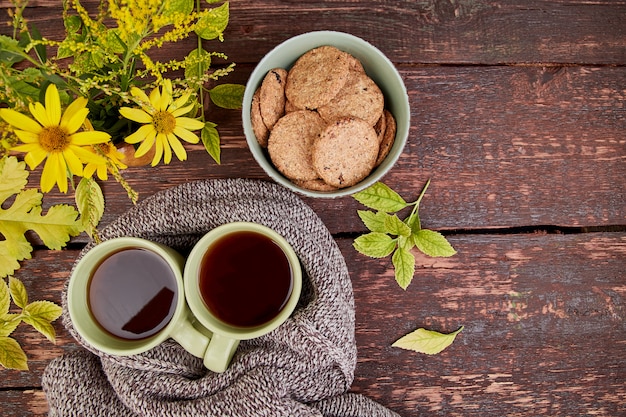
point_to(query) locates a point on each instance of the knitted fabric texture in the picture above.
(303, 368)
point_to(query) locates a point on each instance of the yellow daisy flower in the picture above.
(55, 136)
(163, 123)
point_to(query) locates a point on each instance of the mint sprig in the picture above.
(389, 235)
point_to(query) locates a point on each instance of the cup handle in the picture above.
(190, 338)
(220, 352)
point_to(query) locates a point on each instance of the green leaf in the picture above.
(214, 23)
(227, 96)
(10, 51)
(375, 244)
(18, 292)
(5, 298)
(54, 228)
(197, 62)
(404, 264)
(8, 323)
(40, 314)
(11, 354)
(395, 226)
(380, 197)
(433, 243)
(211, 140)
(175, 7)
(13, 177)
(90, 204)
(426, 341)
(374, 221)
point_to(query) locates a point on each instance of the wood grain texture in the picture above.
(518, 118)
(426, 31)
(544, 319)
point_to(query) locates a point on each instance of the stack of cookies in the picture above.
(324, 121)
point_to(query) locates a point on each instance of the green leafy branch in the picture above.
(38, 314)
(389, 235)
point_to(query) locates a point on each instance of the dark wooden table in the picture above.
(519, 119)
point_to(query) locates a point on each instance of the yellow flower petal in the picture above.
(136, 115)
(181, 111)
(17, 119)
(89, 170)
(189, 123)
(103, 172)
(181, 101)
(86, 155)
(145, 146)
(73, 120)
(90, 137)
(155, 98)
(166, 97)
(177, 147)
(139, 94)
(144, 132)
(40, 114)
(72, 161)
(27, 147)
(158, 152)
(53, 105)
(35, 157)
(54, 171)
(186, 135)
(27, 137)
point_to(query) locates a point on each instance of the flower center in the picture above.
(164, 122)
(54, 139)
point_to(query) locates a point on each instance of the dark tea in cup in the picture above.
(132, 293)
(245, 279)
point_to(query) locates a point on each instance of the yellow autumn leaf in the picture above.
(11, 354)
(40, 314)
(425, 341)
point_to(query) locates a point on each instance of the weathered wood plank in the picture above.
(544, 319)
(459, 32)
(27, 403)
(503, 146)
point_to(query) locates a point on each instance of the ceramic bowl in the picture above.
(376, 65)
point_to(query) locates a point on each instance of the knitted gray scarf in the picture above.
(303, 368)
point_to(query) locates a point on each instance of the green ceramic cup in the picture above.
(180, 326)
(226, 336)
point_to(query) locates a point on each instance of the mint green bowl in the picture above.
(376, 65)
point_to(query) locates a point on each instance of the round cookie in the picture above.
(345, 152)
(272, 96)
(290, 143)
(258, 126)
(388, 137)
(380, 127)
(360, 97)
(316, 77)
(315, 185)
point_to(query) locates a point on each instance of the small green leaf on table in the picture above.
(426, 341)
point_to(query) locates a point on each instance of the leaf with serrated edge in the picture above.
(18, 292)
(373, 220)
(8, 323)
(404, 264)
(214, 23)
(211, 140)
(5, 297)
(433, 243)
(40, 314)
(13, 177)
(380, 197)
(90, 203)
(395, 226)
(426, 341)
(11, 354)
(374, 244)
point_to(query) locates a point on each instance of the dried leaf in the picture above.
(426, 341)
(90, 203)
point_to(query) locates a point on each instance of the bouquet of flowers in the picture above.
(76, 114)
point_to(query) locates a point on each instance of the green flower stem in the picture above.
(416, 205)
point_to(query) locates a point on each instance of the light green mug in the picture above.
(223, 297)
(117, 287)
